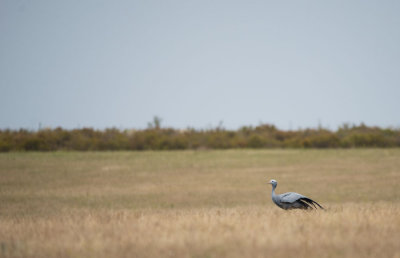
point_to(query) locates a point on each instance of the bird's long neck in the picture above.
(273, 190)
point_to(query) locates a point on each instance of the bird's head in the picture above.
(273, 182)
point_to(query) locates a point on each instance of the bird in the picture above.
(291, 200)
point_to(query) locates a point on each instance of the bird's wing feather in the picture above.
(290, 197)
(312, 202)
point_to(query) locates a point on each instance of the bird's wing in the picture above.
(290, 197)
(293, 197)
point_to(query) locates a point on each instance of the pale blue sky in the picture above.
(293, 63)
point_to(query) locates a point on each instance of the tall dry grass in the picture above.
(199, 204)
(350, 230)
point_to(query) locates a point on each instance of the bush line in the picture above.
(156, 138)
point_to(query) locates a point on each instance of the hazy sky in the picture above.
(195, 63)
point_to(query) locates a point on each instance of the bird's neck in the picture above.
(273, 190)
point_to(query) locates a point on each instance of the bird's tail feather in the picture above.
(304, 204)
(312, 202)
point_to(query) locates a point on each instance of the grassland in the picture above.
(199, 204)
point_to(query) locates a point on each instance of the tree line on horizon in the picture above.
(157, 138)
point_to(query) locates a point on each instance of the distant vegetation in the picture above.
(157, 138)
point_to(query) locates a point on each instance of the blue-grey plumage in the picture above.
(292, 200)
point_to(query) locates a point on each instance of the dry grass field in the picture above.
(199, 204)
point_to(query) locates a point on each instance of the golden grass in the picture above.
(199, 204)
(351, 230)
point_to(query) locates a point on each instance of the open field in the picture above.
(199, 204)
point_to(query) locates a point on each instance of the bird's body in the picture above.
(292, 200)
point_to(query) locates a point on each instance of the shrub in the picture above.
(157, 138)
